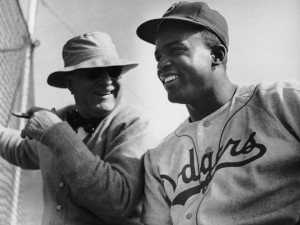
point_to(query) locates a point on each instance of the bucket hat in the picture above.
(89, 50)
(198, 13)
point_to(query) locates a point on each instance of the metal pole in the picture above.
(31, 25)
(32, 16)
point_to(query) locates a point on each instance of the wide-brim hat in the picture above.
(90, 50)
(197, 13)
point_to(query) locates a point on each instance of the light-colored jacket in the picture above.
(96, 182)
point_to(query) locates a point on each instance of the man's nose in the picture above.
(162, 65)
(103, 78)
(163, 62)
(106, 76)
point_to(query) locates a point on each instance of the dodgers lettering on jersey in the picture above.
(209, 166)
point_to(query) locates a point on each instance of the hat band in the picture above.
(77, 58)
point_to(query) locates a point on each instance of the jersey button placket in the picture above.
(206, 123)
(58, 208)
(61, 184)
(208, 150)
(189, 216)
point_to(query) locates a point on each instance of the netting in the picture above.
(16, 94)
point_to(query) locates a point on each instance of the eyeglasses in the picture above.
(114, 72)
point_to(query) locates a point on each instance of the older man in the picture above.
(90, 159)
(236, 159)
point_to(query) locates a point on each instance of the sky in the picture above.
(263, 45)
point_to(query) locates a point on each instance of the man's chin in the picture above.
(105, 108)
(175, 99)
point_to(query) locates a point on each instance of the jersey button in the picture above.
(58, 208)
(208, 150)
(206, 124)
(189, 216)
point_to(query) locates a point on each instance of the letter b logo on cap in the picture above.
(171, 8)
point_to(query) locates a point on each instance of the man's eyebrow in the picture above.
(173, 43)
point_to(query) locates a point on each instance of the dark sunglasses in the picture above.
(114, 72)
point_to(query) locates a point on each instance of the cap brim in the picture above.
(56, 79)
(148, 30)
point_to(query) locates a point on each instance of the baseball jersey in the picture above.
(239, 165)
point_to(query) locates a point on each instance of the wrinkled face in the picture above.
(95, 90)
(184, 63)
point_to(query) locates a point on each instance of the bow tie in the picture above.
(75, 120)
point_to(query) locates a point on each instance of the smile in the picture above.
(103, 93)
(170, 78)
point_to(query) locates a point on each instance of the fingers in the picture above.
(23, 134)
(25, 131)
(39, 122)
(29, 113)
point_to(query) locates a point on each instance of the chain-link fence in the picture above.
(16, 94)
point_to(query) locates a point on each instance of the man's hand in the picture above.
(39, 122)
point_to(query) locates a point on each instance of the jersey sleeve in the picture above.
(156, 210)
(283, 101)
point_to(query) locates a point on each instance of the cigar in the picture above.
(21, 115)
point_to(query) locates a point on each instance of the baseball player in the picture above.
(236, 159)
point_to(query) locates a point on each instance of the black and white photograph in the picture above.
(149, 112)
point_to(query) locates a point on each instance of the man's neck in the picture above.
(206, 106)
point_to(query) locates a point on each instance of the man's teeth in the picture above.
(170, 78)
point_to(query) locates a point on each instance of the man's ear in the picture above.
(218, 54)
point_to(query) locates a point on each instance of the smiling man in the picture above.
(91, 156)
(96, 90)
(236, 159)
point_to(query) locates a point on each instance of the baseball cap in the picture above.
(198, 13)
(89, 50)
